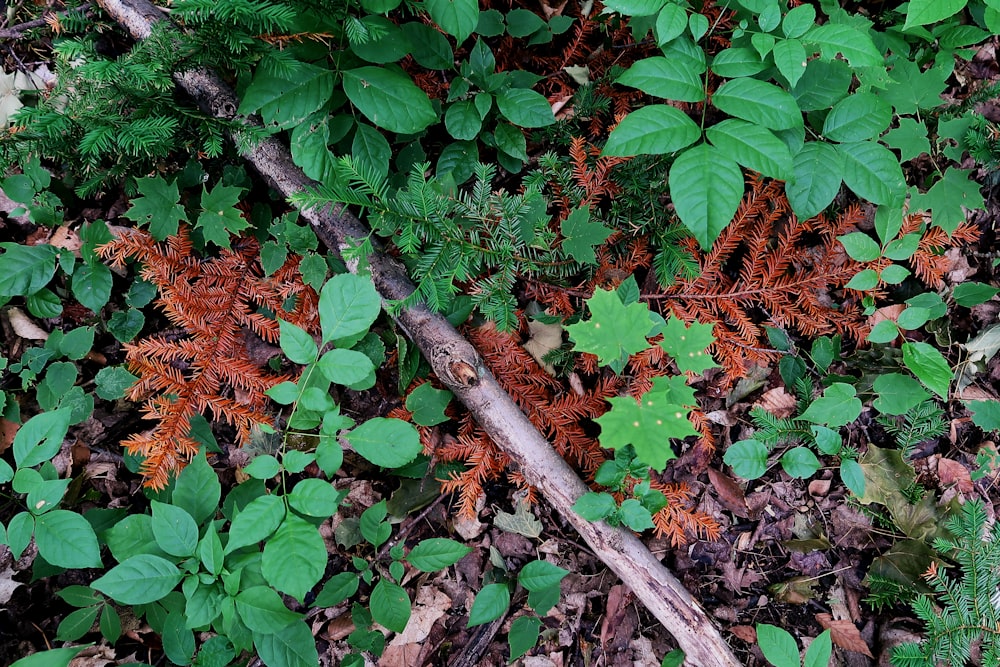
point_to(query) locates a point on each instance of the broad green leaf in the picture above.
(430, 48)
(737, 61)
(853, 476)
(390, 605)
(158, 207)
(256, 522)
(852, 43)
(219, 218)
(372, 149)
(139, 580)
(77, 623)
(635, 516)
(635, 7)
(314, 497)
(856, 118)
(456, 17)
(25, 269)
(664, 78)
(913, 88)
(19, 531)
(758, 102)
(57, 657)
(581, 235)
(973, 294)
(747, 458)
(131, 536)
(523, 634)
(428, 404)
(647, 424)
(823, 84)
(687, 345)
(652, 130)
(40, 438)
(337, 589)
(389, 443)
(872, 172)
(436, 553)
(263, 466)
(348, 306)
(818, 171)
(286, 98)
(929, 366)
(291, 646)
(92, 286)
(595, 506)
(863, 280)
(753, 146)
(897, 393)
(66, 539)
(174, 529)
(790, 59)
(671, 22)
(463, 121)
(390, 99)
(839, 405)
(910, 139)
(827, 440)
(885, 331)
(524, 107)
(294, 557)
(948, 197)
(490, 604)
(198, 489)
(613, 330)
(112, 382)
(777, 645)
(539, 574)
(923, 12)
(818, 653)
(706, 187)
(800, 462)
(798, 20)
(262, 610)
(345, 367)
(297, 344)
(860, 247)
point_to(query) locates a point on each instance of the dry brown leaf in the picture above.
(8, 430)
(67, 239)
(730, 493)
(404, 649)
(818, 488)
(844, 634)
(739, 578)
(24, 326)
(745, 632)
(975, 393)
(886, 313)
(779, 402)
(952, 472)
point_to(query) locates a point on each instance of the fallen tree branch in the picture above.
(460, 367)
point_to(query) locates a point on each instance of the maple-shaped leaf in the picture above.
(947, 197)
(581, 235)
(675, 388)
(158, 207)
(220, 218)
(912, 90)
(614, 330)
(687, 345)
(646, 424)
(910, 138)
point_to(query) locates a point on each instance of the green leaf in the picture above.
(614, 330)
(174, 529)
(948, 197)
(758, 102)
(294, 557)
(345, 367)
(777, 645)
(863, 280)
(872, 172)
(339, 587)
(256, 522)
(800, 462)
(929, 366)
(635, 516)
(463, 121)
(854, 44)
(389, 443)
(348, 306)
(490, 604)
(853, 476)
(390, 605)
(923, 12)
(430, 49)
(40, 438)
(264, 466)
(57, 657)
(973, 294)
(798, 20)
(910, 139)
(652, 130)
(286, 98)
(262, 610)
(647, 424)
(671, 22)
(913, 88)
(77, 623)
(661, 77)
(595, 506)
(818, 171)
(897, 393)
(885, 331)
(436, 553)
(112, 382)
(860, 247)
(524, 107)
(139, 580)
(390, 99)
(838, 406)
(314, 497)
(297, 344)
(827, 440)
(220, 218)
(753, 146)
(687, 345)
(706, 187)
(790, 58)
(818, 653)
(581, 235)
(372, 149)
(44, 304)
(24, 270)
(856, 118)
(523, 634)
(66, 539)
(747, 458)
(456, 17)
(92, 286)
(428, 404)
(198, 489)
(539, 574)
(291, 646)
(737, 61)
(635, 7)
(158, 207)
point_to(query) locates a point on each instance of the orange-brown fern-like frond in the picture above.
(207, 368)
(678, 521)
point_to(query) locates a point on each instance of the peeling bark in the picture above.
(460, 367)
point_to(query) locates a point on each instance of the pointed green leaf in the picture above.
(790, 58)
(758, 102)
(524, 107)
(664, 78)
(652, 130)
(929, 366)
(856, 118)
(706, 187)
(389, 98)
(818, 170)
(872, 172)
(753, 146)
(139, 580)
(922, 12)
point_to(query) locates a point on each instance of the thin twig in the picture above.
(16, 31)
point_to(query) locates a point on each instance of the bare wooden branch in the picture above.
(460, 367)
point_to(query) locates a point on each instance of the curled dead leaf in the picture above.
(24, 326)
(779, 402)
(844, 634)
(952, 472)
